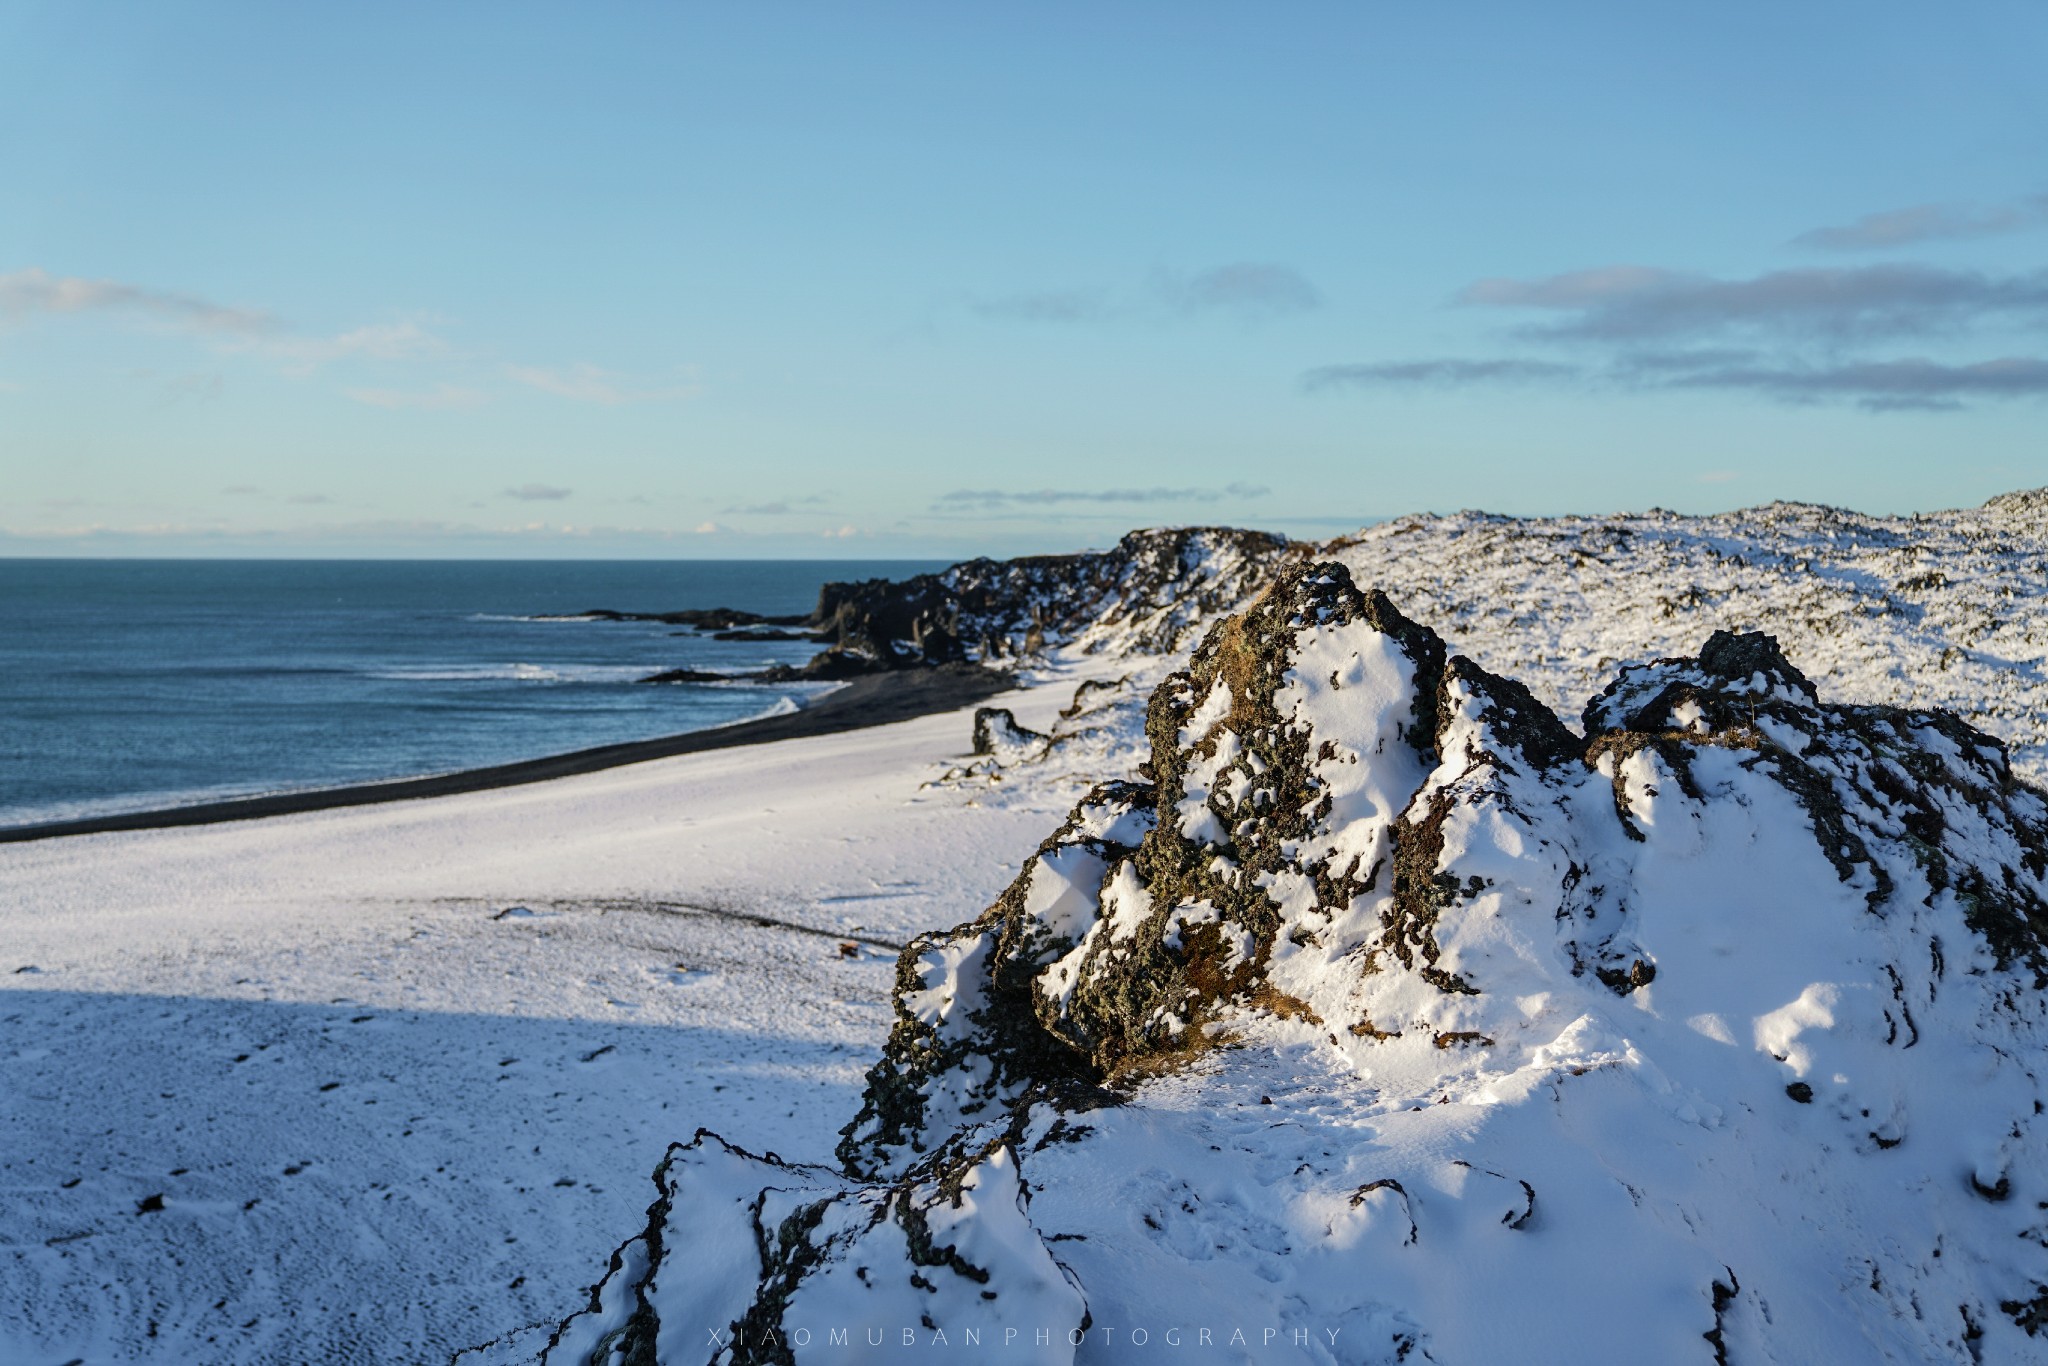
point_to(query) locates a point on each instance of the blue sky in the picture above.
(943, 279)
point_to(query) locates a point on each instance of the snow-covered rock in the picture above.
(1389, 1019)
(998, 735)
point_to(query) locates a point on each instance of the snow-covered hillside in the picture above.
(1945, 609)
(1389, 1020)
(1942, 610)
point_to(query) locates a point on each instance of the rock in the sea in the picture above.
(1392, 1020)
(692, 676)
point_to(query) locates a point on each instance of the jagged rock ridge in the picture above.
(1150, 594)
(1390, 1011)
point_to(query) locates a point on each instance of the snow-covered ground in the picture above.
(379, 1084)
(388, 1115)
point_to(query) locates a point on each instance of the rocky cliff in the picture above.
(1387, 1018)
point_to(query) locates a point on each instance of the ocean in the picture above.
(127, 685)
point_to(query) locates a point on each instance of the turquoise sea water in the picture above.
(131, 684)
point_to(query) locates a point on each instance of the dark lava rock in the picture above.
(693, 676)
(996, 732)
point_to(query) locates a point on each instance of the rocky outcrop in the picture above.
(1152, 593)
(1391, 1015)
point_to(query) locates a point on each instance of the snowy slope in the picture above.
(1944, 609)
(1391, 1020)
(398, 1073)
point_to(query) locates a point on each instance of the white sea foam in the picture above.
(542, 616)
(517, 673)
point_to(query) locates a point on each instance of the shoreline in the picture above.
(872, 700)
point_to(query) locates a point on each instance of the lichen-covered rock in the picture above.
(1393, 1017)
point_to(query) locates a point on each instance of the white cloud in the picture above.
(35, 293)
(27, 293)
(377, 341)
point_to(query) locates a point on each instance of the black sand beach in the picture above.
(873, 700)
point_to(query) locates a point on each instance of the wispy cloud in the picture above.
(35, 293)
(991, 499)
(1447, 370)
(591, 384)
(1247, 289)
(1796, 336)
(1926, 223)
(441, 396)
(1632, 303)
(1915, 383)
(1896, 385)
(1048, 306)
(780, 507)
(398, 341)
(539, 493)
(26, 293)
(1244, 290)
(1653, 362)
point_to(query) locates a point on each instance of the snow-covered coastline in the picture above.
(383, 1083)
(411, 1063)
